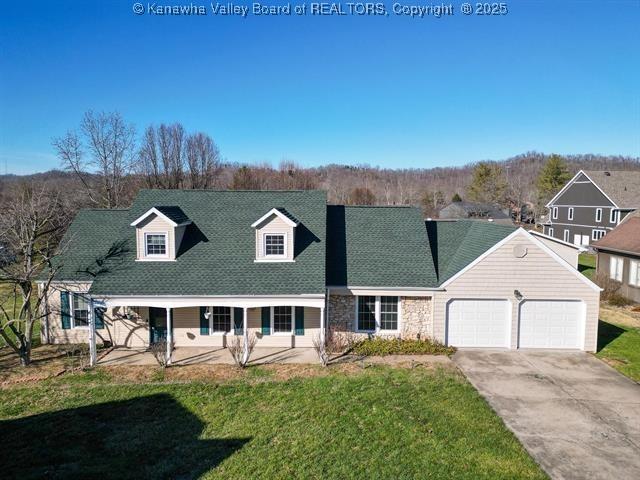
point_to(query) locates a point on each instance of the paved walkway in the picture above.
(577, 417)
(194, 355)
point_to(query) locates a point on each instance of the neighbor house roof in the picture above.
(622, 186)
(455, 244)
(217, 253)
(372, 246)
(473, 210)
(625, 237)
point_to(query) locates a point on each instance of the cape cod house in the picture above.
(200, 268)
(592, 204)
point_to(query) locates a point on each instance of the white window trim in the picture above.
(613, 216)
(264, 245)
(598, 215)
(166, 245)
(550, 232)
(219, 333)
(377, 314)
(634, 265)
(293, 321)
(617, 272)
(554, 213)
(72, 313)
(566, 234)
(594, 231)
(570, 213)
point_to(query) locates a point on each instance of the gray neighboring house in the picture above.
(475, 211)
(202, 268)
(592, 204)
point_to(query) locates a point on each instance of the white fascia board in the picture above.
(274, 211)
(384, 291)
(557, 240)
(569, 183)
(241, 301)
(601, 191)
(154, 210)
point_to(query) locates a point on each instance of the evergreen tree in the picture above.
(456, 198)
(488, 184)
(552, 178)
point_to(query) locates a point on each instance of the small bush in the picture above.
(397, 346)
(609, 286)
(618, 300)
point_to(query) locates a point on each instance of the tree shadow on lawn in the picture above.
(145, 437)
(607, 333)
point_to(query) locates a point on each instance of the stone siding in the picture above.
(416, 319)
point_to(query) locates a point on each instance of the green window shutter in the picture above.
(238, 321)
(65, 312)
(299, 320)
(266, 320)
(98, 315)
(204, 322)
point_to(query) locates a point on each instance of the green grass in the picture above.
(379, 422)
(619, 346)
(587, 265)
(11, 304)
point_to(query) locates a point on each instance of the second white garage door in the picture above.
(478, 323)
(551, 324)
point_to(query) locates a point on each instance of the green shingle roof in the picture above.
(217, 254)
(174, 213)
(365, 246)
(455, 244)
(378, 247)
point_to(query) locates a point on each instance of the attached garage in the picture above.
(479, 323)
(551, 324)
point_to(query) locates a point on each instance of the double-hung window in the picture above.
(551, 232)
(221, 319)
(274, 245)
(615, 268)
(570, 213)
(554, 213)
(80, 309)
(155, 244)
(282, 319)
(598, 215)
(634, 273)
(566, 236)
(377, 314)
(613, 216)
(597, 234)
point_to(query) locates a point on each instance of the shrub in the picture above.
(397, 346)
(609, 286)
(618, 300)
(159, 351)
(236, 348)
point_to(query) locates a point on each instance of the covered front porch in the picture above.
(208, 355)
(199, 329)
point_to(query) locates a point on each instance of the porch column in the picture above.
(245, 333)
(322, 326)
(92, 335)
(169, 336)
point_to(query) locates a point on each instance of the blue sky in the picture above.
(384, 90)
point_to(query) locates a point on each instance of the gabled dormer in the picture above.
(275, 236)
(159, 232)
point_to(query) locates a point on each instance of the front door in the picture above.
(157, 324)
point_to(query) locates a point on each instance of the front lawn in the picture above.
(619, 346)
(345, 422)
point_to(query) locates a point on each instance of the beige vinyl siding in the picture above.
(274, 225)
(186, 330)
(130, 332)
(538, 276)
(155, 224)
(568, 254)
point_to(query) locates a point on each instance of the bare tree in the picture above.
(31, 224)
(101, 156)
(203, 160)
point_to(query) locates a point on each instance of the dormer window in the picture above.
(275, 236)
(155, 244)
(159, 232)
(274, 245)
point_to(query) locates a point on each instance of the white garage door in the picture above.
(551, 324)
(478, 323)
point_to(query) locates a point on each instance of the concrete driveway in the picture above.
(577, 417)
